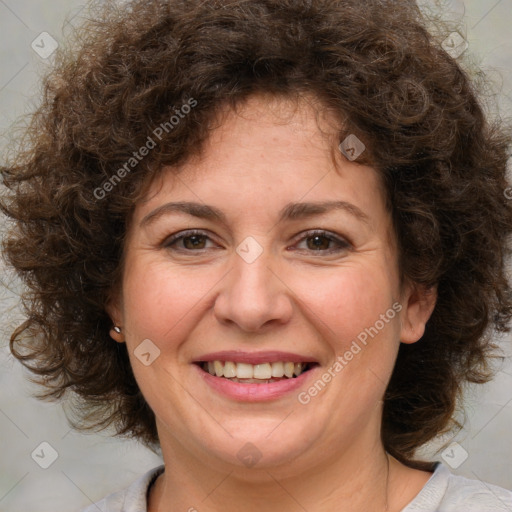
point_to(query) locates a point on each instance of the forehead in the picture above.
(274, 141)
(258, 163)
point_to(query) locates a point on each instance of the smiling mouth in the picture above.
(255, 374)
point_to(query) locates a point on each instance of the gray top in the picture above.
(444, 492)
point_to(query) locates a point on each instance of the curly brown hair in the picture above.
(375, 63)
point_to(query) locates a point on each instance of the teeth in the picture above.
(277, 369)
(288, 369)
(244, 371)
(262, 371)
(258, 372)
(229, 369)
(219, 368)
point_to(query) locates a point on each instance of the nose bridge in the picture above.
(252, 274)
(252, 295)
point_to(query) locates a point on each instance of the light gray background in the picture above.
(89, 467)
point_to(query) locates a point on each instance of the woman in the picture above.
(253, 236)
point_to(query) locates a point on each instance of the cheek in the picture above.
(348, 301)
(160, 299)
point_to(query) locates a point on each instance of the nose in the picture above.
(253, 295)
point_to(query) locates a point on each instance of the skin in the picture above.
(323, 456)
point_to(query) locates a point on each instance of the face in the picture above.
(259, 276)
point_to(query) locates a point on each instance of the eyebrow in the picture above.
(292, 211)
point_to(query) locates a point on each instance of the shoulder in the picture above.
(131, 499)
(447, 492)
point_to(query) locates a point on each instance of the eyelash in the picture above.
(343, 244)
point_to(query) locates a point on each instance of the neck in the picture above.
(352, 481)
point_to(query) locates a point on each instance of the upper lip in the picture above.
(238, 356)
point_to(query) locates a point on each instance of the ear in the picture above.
(418, 303)
(114, 312)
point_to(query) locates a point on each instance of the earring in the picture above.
(115, 332)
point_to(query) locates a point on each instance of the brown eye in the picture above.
(318, 242)
(187, 241)
(322, 241)
(194, 242)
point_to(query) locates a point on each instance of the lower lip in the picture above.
(255, 392)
